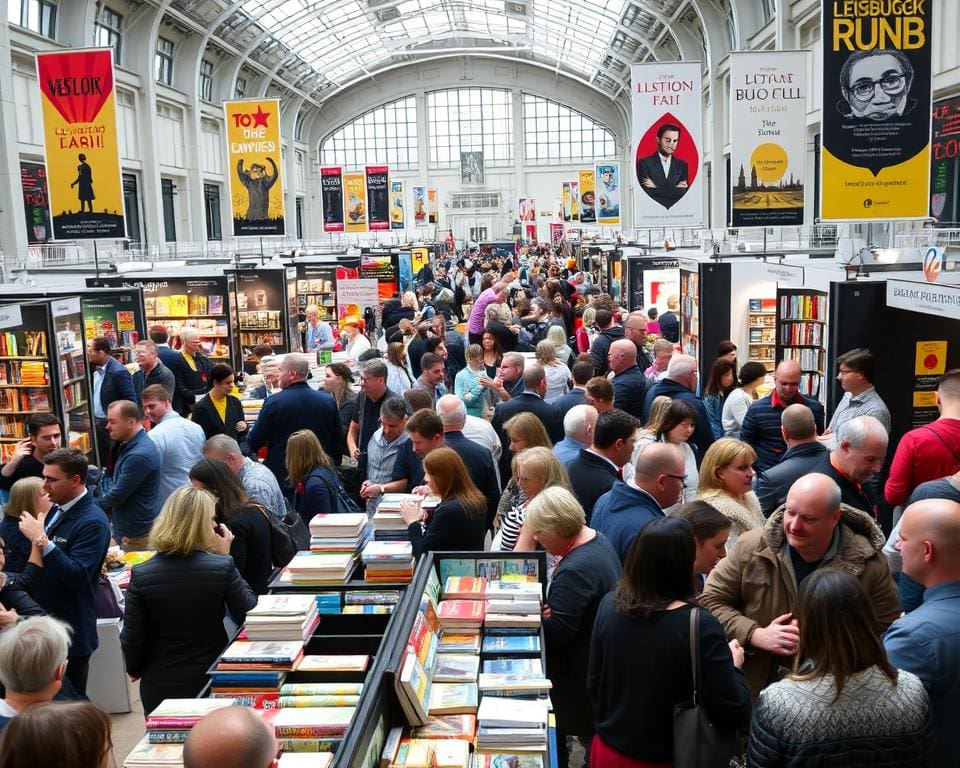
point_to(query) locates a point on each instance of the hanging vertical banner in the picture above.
(528, 209)
(556, 232)
(768, 123)
(588, 196)
(433, 206)
(396, 205)
(531, 231)
(944, 205)
(571, 201)
(378, 197)
(82, 153)
(33, 183)
(420, 206)
(607, 178)
(331, 191)
(355, 196)
(875, 160)
(565, 202)
(667, 116)
(253, 162)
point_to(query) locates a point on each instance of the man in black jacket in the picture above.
(861, 448)
(111, 382)
(629, 383)
(609, 333)
(530, 400)
(680, 383)
(804, 452)
(598, 467)
(479, 461)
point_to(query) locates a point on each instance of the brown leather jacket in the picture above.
(755, 584)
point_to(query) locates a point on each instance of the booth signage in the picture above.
(932, 263)
(253, 165)
(784, 274)
(331, 191)
(588, 196)
(33, 184)
(355, 196)
(10, 316)
(666, 147)
(938, 300)
(768, 123)
(63, 307)
(82, 153)
(378, 197)
(875, 160)
(945, 149)
(396, 205)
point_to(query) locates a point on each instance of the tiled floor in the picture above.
(128, 728)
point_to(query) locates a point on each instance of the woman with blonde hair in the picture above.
(175, 605)
(459, 522)
(311, 474)
(558, 375)
(399, 379)
(726, 484)
(409, 300)
(467, 384)
(523, 431)
(534, 469)
(356, 342)
(26, 495)
(556, 336)
(587, 331)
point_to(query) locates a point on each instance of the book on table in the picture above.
(453, 699)
(510, 644)
(340, 662)
(464, 588)
(312, 722)
(456, 668)
(305, 760)
(447, 727)
(338, 525)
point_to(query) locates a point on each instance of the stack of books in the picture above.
(305, 760)
(172, 720)
(319, 568)
(311, 729)
(252, 672)
(323, 729)
(513, 604)
(352, 663)
(388, 525)
(370, 601)
(147, 755)
(320, 694)
(461, 615)
(388, 561)
(464, 588)
(344, 533)
(432, 753)
(282, 617)
(511, 724)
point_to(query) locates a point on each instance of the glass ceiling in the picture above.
(348, 39)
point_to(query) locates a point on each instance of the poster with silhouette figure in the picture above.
(768, 130)
(875, 123)
(253, 164)
(667, 116)
(81, 151)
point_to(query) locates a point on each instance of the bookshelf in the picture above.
(762, 333)
(73, 376)
(801, 335)
(118, 316)
(317, 284)
(262, 308)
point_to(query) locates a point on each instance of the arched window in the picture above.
(386, 135)
(470, 119)
(554, 133)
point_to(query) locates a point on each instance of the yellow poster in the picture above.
(419, 258)
(253, 162)
(924, 399)
(433, 205)
(931, 358)
(588, 196)
(396, 205)
(80, 141)
(355, 197)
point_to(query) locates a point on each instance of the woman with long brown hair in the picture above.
(311, 473)
(459, 522)
(338, 381)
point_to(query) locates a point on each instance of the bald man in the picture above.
(753, 590)
(925, 641)
(761, 424)
(803, 453)
(232, 737)
(629, 383)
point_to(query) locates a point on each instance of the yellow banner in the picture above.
(355, 201)
(79, 105)
(850, 193)
(253, 162)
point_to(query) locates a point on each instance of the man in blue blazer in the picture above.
(297, 406)
(111, 382)
(73, 537)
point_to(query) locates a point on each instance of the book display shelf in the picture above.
(802, 335)
(118, 316)
(43, 368)
(317, 284)
(178, 302)
(263, 308)
(762, 333)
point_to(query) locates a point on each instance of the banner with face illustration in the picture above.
(608, 193)
(588, 196)
(420, 206)
(667, 116)
(875, 160)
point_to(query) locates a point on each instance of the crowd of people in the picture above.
(667, 504)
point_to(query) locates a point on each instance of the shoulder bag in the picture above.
(288, 536)
(697, 742)
(342, 502)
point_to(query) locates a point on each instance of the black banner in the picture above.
(331, 190)
(943, 164)
(33, 181)
(378, 197)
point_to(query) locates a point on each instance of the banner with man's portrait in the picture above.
(420, 207)
(667, 117)
(875, 158)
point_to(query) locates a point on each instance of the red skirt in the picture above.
(604, 756)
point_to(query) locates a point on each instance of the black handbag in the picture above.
(344, 504)
(697, 742)
(288, 536)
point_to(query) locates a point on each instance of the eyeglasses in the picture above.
(892, 82)
(681, 478)
(845, 372)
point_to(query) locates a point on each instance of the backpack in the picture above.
(288, 536)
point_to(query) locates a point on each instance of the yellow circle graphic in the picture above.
(770, 162)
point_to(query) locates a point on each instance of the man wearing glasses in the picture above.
(876, 85)
(860, 397)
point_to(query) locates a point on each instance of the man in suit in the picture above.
(152, 370)
(629, 383)
(804, 452)
(73, 542)
(191, 369)
(530, 400)
(582, 373)
(663, 176)
(598, 467)
(479, 461)
(111, 382)
(622, 512)
(296, 406)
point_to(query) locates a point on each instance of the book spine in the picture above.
(309, 745)
(320, 689)
(167, 737)
(309, 731)
(171, 723)
(254, 700)
(319, 701)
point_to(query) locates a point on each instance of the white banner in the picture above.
(667, 153)
(936, 300)
(768, 123)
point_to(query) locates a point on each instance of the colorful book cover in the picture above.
(261, 652)
(162, 306)
(333, 663)
(511, 644)
(453, 699)
(179, 304)
(415, 753)
(447, 727)
(453, 567)
(125, 321)
(456, 642)
(461, 611)
(312, 722)
(521, 667)
(319, 701)
(456, 668)
(465, 588)
(321, 689)
(507, 760)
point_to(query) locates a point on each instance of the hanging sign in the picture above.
(378, 197)
(938, 300)
(588, 197)
(355, 196)
(331, 191)
(420, 206)
(396, 205)
(607, 178)
(253, 162)
(433, 206)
